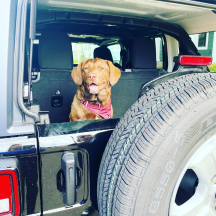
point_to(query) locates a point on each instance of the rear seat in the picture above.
(56, 62)
(143, 63)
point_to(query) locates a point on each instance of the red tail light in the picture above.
(193, 60)
(9, 194)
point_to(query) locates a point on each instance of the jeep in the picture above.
(156, 156)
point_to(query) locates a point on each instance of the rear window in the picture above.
(159, 52)
(82, 51)
(115, 51)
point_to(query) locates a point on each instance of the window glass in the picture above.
(206, 45)
(82, 51)
(202, 40)
(115, 51)
(159, 52)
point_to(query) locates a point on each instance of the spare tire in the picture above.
(161, 157)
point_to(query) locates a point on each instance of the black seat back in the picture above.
(143, 62)
(143, 54)
(55, 85)
(103, 52)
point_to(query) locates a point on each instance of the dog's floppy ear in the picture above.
(77, 73)
(115, 73)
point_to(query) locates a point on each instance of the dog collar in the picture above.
(103, 111)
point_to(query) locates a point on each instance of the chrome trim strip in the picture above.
(68, 139)
(18, 145)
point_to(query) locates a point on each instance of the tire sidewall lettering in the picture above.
(170, 166)
(154, 206)
(165, 177)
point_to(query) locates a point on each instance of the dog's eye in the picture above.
(101, 68)
(86, 68)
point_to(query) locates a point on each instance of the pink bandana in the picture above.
(104, 111)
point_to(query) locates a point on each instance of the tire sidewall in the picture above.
(179, 142)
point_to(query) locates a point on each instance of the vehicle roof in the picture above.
(194, 16)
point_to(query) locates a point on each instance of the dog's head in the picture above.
(95, 74)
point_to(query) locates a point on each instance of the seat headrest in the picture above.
(143, 53)
(103, 52)
(55, 51)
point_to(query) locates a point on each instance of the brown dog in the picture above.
(92, 100)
